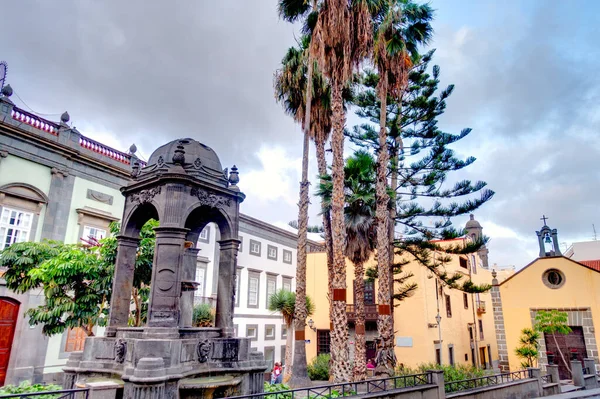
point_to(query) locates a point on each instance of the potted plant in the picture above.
(550, 357)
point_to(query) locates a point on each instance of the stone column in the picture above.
(577, 373)
(499, 325)
(437, 378)
(188, 286)
(226, 287)
(164, 309)
(552, 369)
(122, 284)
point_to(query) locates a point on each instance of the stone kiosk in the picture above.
(184, 187)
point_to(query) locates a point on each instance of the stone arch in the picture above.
(137, 217)
(198, 216)
(23, 195)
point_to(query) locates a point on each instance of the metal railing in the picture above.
(62, 394)
(495, 379)
(346, 388)
(547, 379)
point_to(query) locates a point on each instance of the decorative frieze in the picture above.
(100, 197)
(145, 196)
(208, 199)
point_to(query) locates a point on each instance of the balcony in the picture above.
(370, 312)
(480, 307)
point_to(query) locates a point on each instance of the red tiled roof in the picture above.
(594, 264)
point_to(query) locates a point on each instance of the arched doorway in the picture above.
(9, 311)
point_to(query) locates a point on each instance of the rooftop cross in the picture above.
(544, 218)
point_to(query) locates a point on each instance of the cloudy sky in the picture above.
(143, 72)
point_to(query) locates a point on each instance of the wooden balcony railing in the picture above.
(370, 312)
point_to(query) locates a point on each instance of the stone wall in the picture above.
(529, 388)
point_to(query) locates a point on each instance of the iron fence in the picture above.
(488, 380)
(346, 389)
(547, 379)
(62, 394)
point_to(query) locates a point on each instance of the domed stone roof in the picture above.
(195, 153)
(472, 223)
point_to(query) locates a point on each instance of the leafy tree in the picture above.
(424, 205)
(284, 302)
(359, 216)
(528, 347)
(552, 322)
(76, 280)
(403, 26)
(203, 315)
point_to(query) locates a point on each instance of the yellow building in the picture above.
(552, 281)
(465, 333)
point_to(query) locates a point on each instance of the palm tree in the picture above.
(284, 302)
(359, 216)
(404, 26)
(341, 39)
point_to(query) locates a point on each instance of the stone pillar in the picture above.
(590, 364)
(164, 308)
(226, 287)
(59, 205)
(552, 369)
(188, 286)
(499, 325)
(437, 378)
(122, 283)
(577, 373)
(536, 373)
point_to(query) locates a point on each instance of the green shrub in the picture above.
(277, 388)
(318, 369)
(26, 387)
(203, 315)
(457, 372)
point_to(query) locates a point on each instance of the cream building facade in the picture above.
(465, 333)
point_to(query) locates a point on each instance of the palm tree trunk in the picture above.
(322, 166)
(384, 321)
(392, 221)
(300, 373)
(341, 371)
(359, 372)
(288, 352)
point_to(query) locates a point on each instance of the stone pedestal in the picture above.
(577, 373)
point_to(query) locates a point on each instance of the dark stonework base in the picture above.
(157, 363)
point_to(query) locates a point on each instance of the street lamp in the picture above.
(311, 323)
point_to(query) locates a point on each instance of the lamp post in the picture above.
(438, 319)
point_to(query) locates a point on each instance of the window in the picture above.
(253, 289)
(283, 355)
(463, 262)
(93, 232)
(438, 356)
(271, 287)
(287, 283)
(270, 331)
(75, 339)
(283, 331)
(466, 357)
(254, 248)
(270, 356)
(448, 306)
(252, 331)
(14, 227)
(235, 330)
(200, 278)
(205, 235)
(323, 341)
(470, 332)
(451, 355)
(271, 252)
(287, 256)
(238, 282)
(553, 278)
(480, 329)
(473, 264)
(369, 293)
(241, 243)
(466, 300)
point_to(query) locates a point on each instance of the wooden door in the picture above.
(9, 311)
(573, 341)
